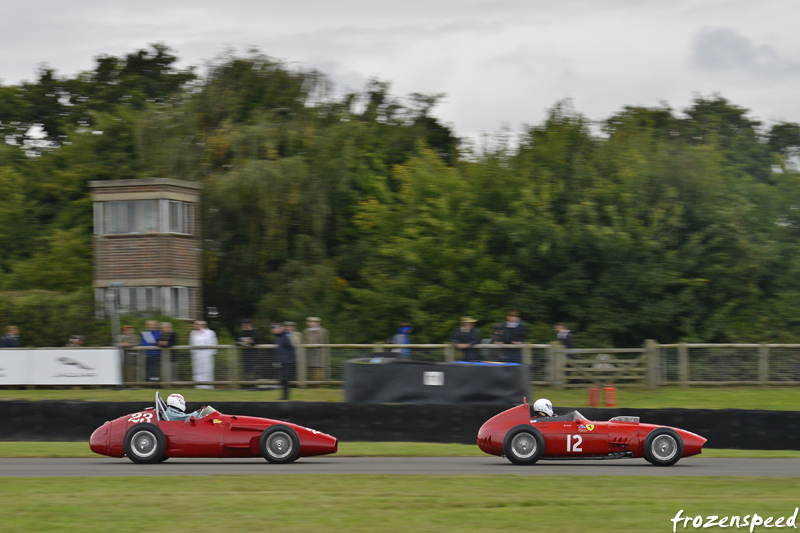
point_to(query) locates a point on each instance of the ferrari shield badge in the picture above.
(215, 421)
(590, 427)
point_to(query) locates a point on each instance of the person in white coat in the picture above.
(203, 359)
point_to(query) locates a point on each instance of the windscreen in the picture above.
(207, 410)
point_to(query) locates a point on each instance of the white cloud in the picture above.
(725, 51)
(501, 62)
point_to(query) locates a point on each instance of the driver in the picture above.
(542, 407)
(176, 408)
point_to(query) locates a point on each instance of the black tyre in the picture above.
(144, 443)
(663, 447)
(523, 445)
(279, 444)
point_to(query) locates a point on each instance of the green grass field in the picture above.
(383, 503)
(781, 399)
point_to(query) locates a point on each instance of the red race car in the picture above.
(149, 437)
(523, 439)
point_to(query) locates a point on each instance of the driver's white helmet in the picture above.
(177, 401)
(543, 405)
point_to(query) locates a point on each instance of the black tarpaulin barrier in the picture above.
(380, 379)
(75, 420)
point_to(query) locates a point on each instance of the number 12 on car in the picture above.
(574, 443)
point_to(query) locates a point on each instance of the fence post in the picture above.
(548, 365)
(302, 366)
(141, 373)
(527, 355)
(326, 363)
(166, 367)
(652, 350)
(233, 366)
(556, 358)
(449, 353)
(683, 364)
(763, 363)
(378, 347)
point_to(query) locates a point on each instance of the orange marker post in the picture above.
(610, 394)
(594, 396)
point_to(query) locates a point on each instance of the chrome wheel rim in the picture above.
(279, 445)
(664, 447)
(523, 445)
(144, 444)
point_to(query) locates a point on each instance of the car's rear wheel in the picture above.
(279, 444)
(523, 445)
(663, 447)
(144, 443)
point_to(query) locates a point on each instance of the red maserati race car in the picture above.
(150, 437)
(524, 440)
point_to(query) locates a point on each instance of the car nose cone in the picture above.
(98, 442)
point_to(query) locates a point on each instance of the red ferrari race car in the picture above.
(149, 437)
(523, 440)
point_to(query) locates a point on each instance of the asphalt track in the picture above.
(428, 466)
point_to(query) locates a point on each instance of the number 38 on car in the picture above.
(524, 440)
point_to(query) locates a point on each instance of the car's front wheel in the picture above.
(663, 447)
(279, 444)
(523, 445)
(144, 443)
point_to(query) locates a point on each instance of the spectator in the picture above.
(168, 339)
(248, 337)
(126, 340)
(291, 331)
(149, 337)
(11, 338)
(75, 341)
(403, 336)
(286, 358)
(513, 333)
(465, 337)
(498, 339)
(203, 358)
(317, 357)
(564, 336)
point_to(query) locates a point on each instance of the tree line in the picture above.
(365, 209)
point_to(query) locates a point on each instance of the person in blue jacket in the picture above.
(150, 337)
(403, 336)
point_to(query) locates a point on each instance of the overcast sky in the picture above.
(501, 63)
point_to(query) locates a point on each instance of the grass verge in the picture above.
(383, 503)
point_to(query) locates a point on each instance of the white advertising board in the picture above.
(60, 366)
(14, 366)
